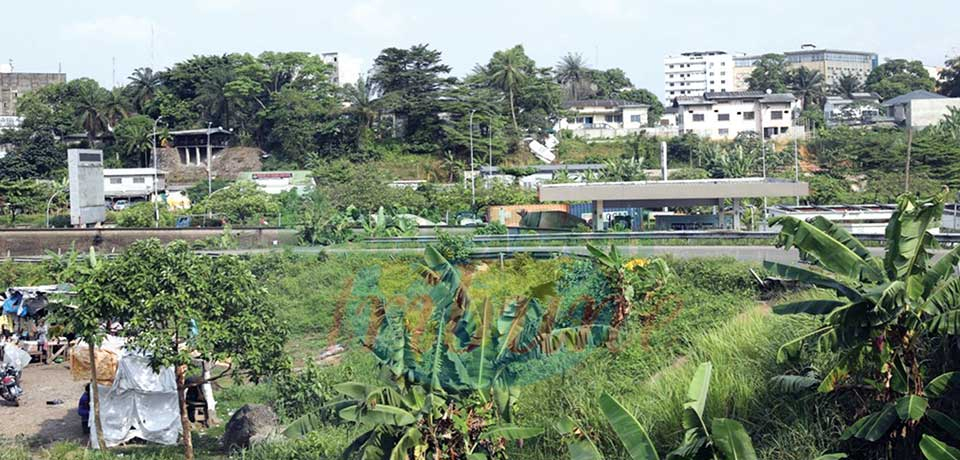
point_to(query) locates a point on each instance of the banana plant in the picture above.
(720, 439)
(887, 313)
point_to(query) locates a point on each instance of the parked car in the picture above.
(120, 205)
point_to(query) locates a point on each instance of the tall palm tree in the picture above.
(361, 98)
(846, 85)
(212, 96)
(572, 70)
(114, 108)
(808, 85)
(90, 103)
(143, 86)
(507, 73)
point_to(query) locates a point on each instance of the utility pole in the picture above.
(906, 182)
(156, 206)
(796, 164)
(209, 161)
(473, 173)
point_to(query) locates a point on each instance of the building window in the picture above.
(698, 117)
(776, 115)
(723, 117)
(748, 115)
(636, 119)
(139, 180)
(723, 131)
(116, 180)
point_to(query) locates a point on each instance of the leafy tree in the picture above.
(142, 87)
(141, 215)
(295, 119)
(950, 77)
(239, 203)
(610, 83)
(846, 85)
(180, 308)
(770, 72)
(361, 97)
(572, 72)
(411, 82)
(886, 322)
(808, 86)
(899, 76)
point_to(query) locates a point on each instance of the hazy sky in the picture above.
(635, 35)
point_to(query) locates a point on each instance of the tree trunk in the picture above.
(95, 394)
(184, 420)
(513, 112)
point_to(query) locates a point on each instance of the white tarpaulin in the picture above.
(140, 404)
(13, 355)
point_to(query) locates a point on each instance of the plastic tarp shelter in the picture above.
(14, 356)
(140, 404)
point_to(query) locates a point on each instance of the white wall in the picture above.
(926, 112)
(713, 127)
(130, 185)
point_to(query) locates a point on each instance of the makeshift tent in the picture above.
(140, 404)
(13, 355)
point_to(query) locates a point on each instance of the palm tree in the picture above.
(143, 86)
(808, 85)
(846, 85)
(114, 108)
(361, 97)
(213, 98)
(506, 72)
(90, 102)
(572, 70)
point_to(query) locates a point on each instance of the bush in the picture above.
(299, 393)
(454, 248)
(724, 274)
(327, 443)
(240, 203)
(493, 228)
(141, 215)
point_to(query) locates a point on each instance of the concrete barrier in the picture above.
(34, 242)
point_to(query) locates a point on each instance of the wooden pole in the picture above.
(906, 182)
(95, 394)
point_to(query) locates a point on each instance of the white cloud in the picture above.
(115, 28)
(376, 17)
(223, 5)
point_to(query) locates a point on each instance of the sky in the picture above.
(107, 39)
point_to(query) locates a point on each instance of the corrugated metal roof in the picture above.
(912, 96)
(602, 103)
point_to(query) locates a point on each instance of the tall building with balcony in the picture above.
(695, 73)
(724, 115)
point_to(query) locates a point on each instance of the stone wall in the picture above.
(227, 164)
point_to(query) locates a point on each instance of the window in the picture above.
(723, 117)
(139, 180)
(116, 180)
(636, 119)
(748, 115)
(723, 131)
(776, 115)
(698, 117)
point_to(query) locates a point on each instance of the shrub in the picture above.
(299, 393)
(141, 215)
(493, 228)
(723, 273)
(455, 248)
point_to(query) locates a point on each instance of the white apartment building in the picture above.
(724, 115)
(603, 118)
(696, 73)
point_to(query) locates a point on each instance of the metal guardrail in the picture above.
(947, 238)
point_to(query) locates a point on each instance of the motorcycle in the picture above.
(10, 389)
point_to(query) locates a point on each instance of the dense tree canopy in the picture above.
(769, 72)
(950, 77)
(899, 76)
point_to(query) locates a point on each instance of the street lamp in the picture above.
(156, 206)
(473, 174)
(47, 213)
(209, 161)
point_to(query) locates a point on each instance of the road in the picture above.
(743, 253)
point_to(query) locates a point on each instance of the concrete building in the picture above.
(195, 146)
(132, 183)
(831, 63)
(858, 109)
(725, 115)
(671, 193)
(918, 109)
(599, 118)
(696, 73)
(871, 219)
(334, 60)
(14, 85)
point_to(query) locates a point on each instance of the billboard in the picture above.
(85, 169)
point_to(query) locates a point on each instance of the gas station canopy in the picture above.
(672, 193)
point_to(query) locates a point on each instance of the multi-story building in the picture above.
(696, 73)
(14, 85)
(833, 64)
(603, 118)
(333, 59)
(724, 115)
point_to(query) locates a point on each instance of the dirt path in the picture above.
(37, 422)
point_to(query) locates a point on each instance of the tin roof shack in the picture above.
(277, 182)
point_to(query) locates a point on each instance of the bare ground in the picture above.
(37, 422)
